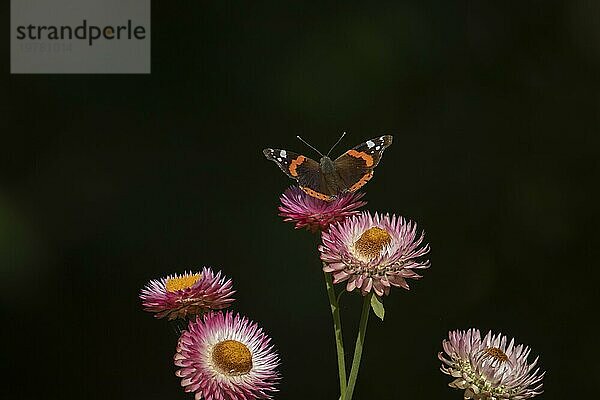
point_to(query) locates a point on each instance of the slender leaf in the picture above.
(377, 307)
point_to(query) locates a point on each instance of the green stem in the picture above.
(337, 327)
(360, 340)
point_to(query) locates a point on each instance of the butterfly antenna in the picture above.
(309, 145)
(336, 143)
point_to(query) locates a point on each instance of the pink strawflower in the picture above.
(223, 357)
(314, 214)
(488, 369)
(180, 296)
(373, 252)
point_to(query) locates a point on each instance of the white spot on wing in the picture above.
(279, 159)
(370, 143)
(378, 147)
(282, 153)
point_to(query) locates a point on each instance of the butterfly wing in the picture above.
(355, 167)
(304, 170)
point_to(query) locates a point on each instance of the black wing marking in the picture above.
(301, 168)
(306, 171)
(288, 161)
(373, 148)
(355, 167)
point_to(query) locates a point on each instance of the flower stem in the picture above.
(360, 340)
(337, 327)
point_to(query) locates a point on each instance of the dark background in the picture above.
(109, 181)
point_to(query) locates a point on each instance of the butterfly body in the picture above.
(329, 178)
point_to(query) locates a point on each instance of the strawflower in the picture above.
(226, 357)
(314, 214)
(181, 296)
(373, 253)
(489, 368)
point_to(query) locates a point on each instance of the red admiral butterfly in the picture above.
(327, 179)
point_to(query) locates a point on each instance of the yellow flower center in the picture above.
(496, 354)
(370, 244)
(182, 282)
(232, 357)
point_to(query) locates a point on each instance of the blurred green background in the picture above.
(109, 181)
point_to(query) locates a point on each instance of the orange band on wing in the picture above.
(359, 154)
(361, 182)
(295, 163)
(315, 194)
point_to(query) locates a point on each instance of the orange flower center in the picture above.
(496, 353)
(182, 282)
(232, 357)
(370, 244)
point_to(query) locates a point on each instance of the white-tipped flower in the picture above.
(489, 368)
